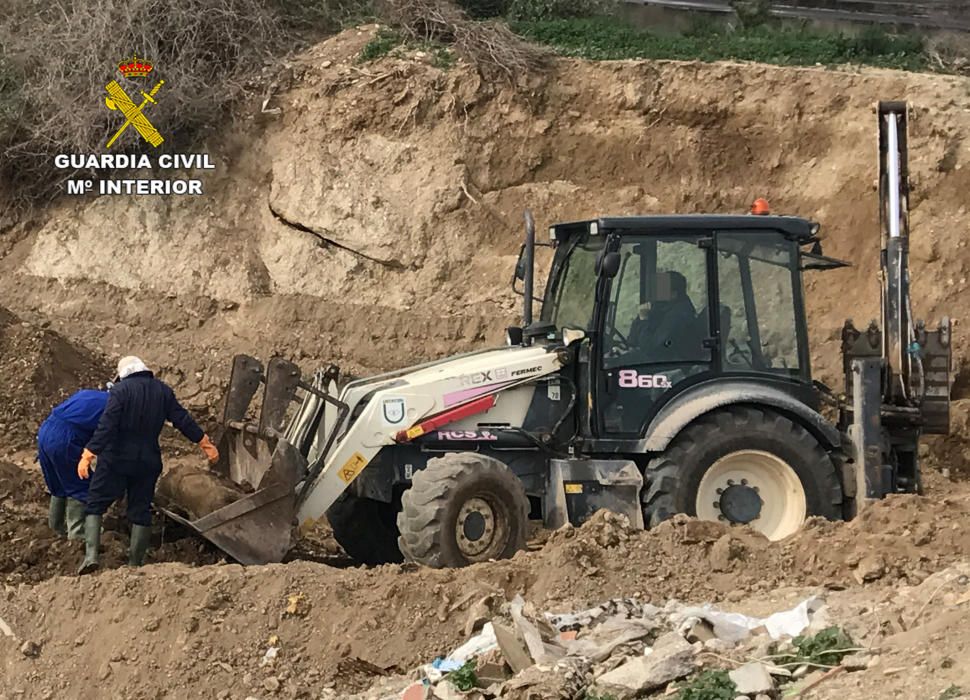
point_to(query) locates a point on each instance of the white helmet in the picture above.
(130, 365)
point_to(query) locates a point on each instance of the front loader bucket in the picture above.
(258, 527)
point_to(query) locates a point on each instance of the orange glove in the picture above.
(211, 453)
(84, 465)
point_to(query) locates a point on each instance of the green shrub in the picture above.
(464, 678)
(442, 57)
(609, 38)
(827, 648)
(483, 9)
(709, 685)
(386, 41)
(538, 10)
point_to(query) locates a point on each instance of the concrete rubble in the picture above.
(671, 657)
(623, 648)
(752, 679)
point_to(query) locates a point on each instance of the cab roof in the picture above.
(794, 227)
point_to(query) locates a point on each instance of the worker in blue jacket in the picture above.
(60, 441)
(129, 456)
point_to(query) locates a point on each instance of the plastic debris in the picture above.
(479, 644)
(446, 665)
(269, 657)
(735, 627)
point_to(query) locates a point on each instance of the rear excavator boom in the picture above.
(897, 375)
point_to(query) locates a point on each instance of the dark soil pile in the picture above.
(38, 369)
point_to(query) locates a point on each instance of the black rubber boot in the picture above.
(140, 537)
(75, 519)
(92, 545)
(55, 515)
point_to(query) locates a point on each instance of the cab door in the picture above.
(657, 335)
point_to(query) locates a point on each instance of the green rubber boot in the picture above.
(75, 519)
(92, 545)
(55, 515)
(140, 537)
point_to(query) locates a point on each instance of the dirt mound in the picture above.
(30, 552)
(902, 537)
(38, 369)
(342, 628)
(18, 486)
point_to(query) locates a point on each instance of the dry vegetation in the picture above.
(489, 45)
(56, 58)
(210, 53)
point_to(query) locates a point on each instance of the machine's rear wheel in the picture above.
(366, 529)
(463, 508)
(744, 465)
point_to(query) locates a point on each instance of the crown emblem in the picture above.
(135, 68)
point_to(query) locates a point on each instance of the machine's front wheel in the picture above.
(747, 466)
(366, 529)
(463, 508)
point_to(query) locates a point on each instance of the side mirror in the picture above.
(513, 336)
(608, 265)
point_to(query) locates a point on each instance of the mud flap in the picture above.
(260, 527)
(577, 488)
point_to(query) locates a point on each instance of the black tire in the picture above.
(675, 476)
(429, 519)
(366, 529)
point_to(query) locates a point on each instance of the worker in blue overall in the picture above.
(125, 444)
(60, 442)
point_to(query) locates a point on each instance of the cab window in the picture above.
(572, 303)
(658, 303)
(757, 274)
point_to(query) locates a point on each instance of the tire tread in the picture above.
(421, 520)
(665, 472)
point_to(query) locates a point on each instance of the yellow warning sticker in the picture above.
(574, 488)
(354, 466)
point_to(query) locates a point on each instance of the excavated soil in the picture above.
(38, 369)
(29, 551)
(203, 630)
(415, 207)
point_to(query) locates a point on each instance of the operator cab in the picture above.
(669, 302)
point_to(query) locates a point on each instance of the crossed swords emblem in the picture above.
(118, 99)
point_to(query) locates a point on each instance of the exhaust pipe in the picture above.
(528, 281)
